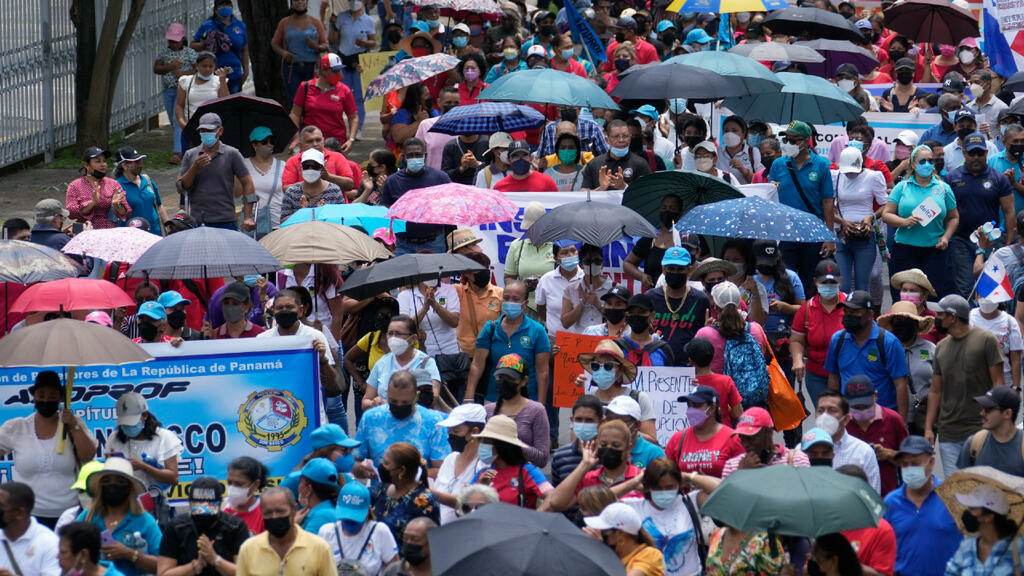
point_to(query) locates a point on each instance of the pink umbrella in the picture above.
(454, 204)
(112, 244)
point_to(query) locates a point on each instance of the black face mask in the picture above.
(939, 164)
(297, 12)
(636, 145)
(940, 328)
(548, 31)
(620, 37)
(278, 527)
(425, 397)
(766, 269)
(401, 412)
(413, 554)
(507, 389)
(852, 323)
(692, 141)
(621, 64)
(614, 315)
(148, 330)
(384, 474)
(638, 323)
(3, 521)
(1016, 150)
(381, 321)
(971, 522)
(767, 163)
(114, 494)
(610, 457)
(675, 280)
(904, 328)
(46, 409)
(765, 456)
(447, 108)
(570, 115)
(458, 443)
(668, 39)
(204, 523)
(97, 174)
(394, 37)
(821, 462)
(668, 218)
(482, 279)
(895, 55)
(847, 15)
(905, 77)
(963, 133)
(286, 318)
(176, 319)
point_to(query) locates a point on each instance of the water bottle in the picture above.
(883, 248)
(990, 229)
(138, 542)
(162, 487)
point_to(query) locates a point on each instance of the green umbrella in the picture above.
(794, 501)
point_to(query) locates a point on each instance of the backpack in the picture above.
(642, 356)
(745, 364)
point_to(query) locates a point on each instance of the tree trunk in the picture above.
(83, 16)
(261, 18)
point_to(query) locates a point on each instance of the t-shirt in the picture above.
(633, 167)
(550, 289)
(373, 546)
(672, 532)
(856, 196)
(447, 481)
(875, 546)
(440, 335)
(534, 182)
(334, 162)
(534, 484)
(253, 517)
(728, 395)
(645, 559)
(908, 195)
(566, 181)
(595, 478)
(707, 457)
(422, 366)
(163, 445)
(212, 195)
(963, 364)
(180, 540)
(1003, 456)
(1007, 332)
(326, 109)
(677, 320)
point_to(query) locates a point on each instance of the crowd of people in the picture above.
(439, 395)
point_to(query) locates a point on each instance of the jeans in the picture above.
(949, 453)
(235, 85)
(170, 95)
(436, 246)
(334, 407)
(932, 261)
(295, 73)
(815, 385)
(355, 84)
(856, 257)
(802, 258)
(229, 225)
(961, 256)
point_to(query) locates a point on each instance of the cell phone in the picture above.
(77, 228)
(106, 538)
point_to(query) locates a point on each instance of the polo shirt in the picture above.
(476, 311)
(35, 551)
(632, 165)
(319, 515)
(309, 554)
(534, 182)
(1001, 162)
(939, 133)
(401, 182)
(926, 537)
(350, 29)
(644, 451)
(865, 359)
(875, 546)
(212, 196)
(506, 483)
(378, 430)
(334, 162)
(148, 541)
(251, 331)
(818, 326)
(815, 179)
(529, 340)
(953, 154)
(550, 290)
(565, 459)
(594, 478)
(887, 429)
(645, 53)
(908, 195)
(143, 200)
(977, 197)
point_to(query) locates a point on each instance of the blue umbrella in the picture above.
(365, 216)
(806, 98)
(548, 86)
(757, 218)
(488, 118)
(749, 74)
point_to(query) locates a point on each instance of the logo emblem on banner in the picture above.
(272, 419)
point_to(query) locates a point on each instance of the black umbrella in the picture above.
(692, 188)
(500, 539)
(204, 252)
(813, 22)
(1015, 83)
(405, 270)
(936, 21)
(664, 80)
(596, 223)
(836, 53)
(239, 114)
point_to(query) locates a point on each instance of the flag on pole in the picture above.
(1003, 47)
(994, 284)
(581, 30)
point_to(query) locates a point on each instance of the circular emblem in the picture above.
(271, 419)
(986, 184)
(524, 341)
(812, 176)
(627, 173)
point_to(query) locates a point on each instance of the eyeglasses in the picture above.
(607, 366)
(792, 139)
(398, 335)
(268, 141)
(311, 166)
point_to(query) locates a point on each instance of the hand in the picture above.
(6, 572)
(364, 470)
(469, 161)
(910, 222)
(428, 294)
(580, 381)
(983, 242)
(321, 347)
(531, 284)
(677, 160)
(942, 244)
(176, 341)
(736, 163)
(884, 454)
(604, 178)
(487, 476)
(117, 551)
(929, 435)
(798, 368)
(751, 460)
(139, 464)
(206, 551)
(708, 321)
(203, 160)
(303, 201)
(378, 401)
(828, 248)
(663, 126)
(647, 282)
(261, 284)
(312, 42)
(222, 72)
(555, 349)
(208, 333)
(380, 180)
(422, 114)
(775, 305)
(867, 222)
(985, 129)
(885, 105)
(618, 182)
(117, 198)
(847, 228)
(248, 224)
(347, 145)
(589, 455)
(288, 57)
(68, 418)
(750, 285)
(595, 534)
(903, 166)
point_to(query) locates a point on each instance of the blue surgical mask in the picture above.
(485, 452)
(585, 431)
(251, 279)
(569, 264)
(620, 152)
(209, 139)
(345, 463)
(755, 139)
(677, 105)
(600, 121)
(567, 54)
(460, 41)
(924, 170)
(664, 498)
(204, 77)
(415, 165)
(433, 23)
(951, 116)
(224, 11)
(512, 309)
(828, 291)
(914, 476)
(604, 379)
(132, 431)
(856, 144)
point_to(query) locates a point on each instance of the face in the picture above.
(567, 252)
(831, 405)
(608, 438)
(469, 504)
(416, 534)
(593, 259)
(793, 139)
(515, 293)
(585, 416)
(414, 151)
(285, 304)
(926, 460)
(97, 163)
(10, 514)
(276, 505)
(401, 396)
(735, 129)
(46, 394)
(624, 55)
(704, 154)
(449, 100)
(993, 417)
(674, 269)
(711, 279)
(470, 65)
(312, 139)
(976, 160)
(757, 443)
(865, 319)
(619, 136)
(143, 295)
(311, 165)
(820, 450)
(67, 559)
(23, 234)
(263, 145)
(238, 480)
(400, 330)
(736, 257)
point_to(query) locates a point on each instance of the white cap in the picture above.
(129, 408)
(624, 406)
(616, 516)
(627, 13)
(531, 213)
(726, 294)
(850, 160)
(313, 155)
(706, 145)
(985, 496)
(461, 27)
(537, 50)
(464, 413)
(908, 138)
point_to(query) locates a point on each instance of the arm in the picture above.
(833, 382)
(179, 108)
(563, 496)
(351, 356)
(337, 316)
(248, 191)
(630, 267)
(995, 372)
(952, 222)
(167, 475)
(903, 396)
(1010, 220)
(543, 362)
(402, 132)
(934, 399)
(85, 442)
(1015, 367)
(245, 63)
(296, 115)
(169, 567)
(797, 342)
(476, 371)
(370, 397)
(571, 315)
(649, 431)
(736, 412)
(447, 316)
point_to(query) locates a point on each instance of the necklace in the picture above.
(261, 171)
(681, 302)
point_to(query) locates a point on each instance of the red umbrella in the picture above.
(71, 294)
(931, 21)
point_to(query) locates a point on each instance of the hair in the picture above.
(480, 258)
(14, 225)
(593, 499)
(575, 142)
(98, 506)
(402, 380)
(737, 120)
(1004, 526)
(149, 428)
(415, 142)
(47, 379)
(325, 492)
(384, 157)
(477, 59)
(515, 39)
(509, 453)
(449, 90)
(308, 129)
(731, 323)
(591, 402)
(288, 494)
(408, 456)
(694, 120)
(626, 46)
(773, 144)
(616, 123)
(658, 468)
(745, 249)
(19, 496)
(292, 293)
(837, 546)
(591, 249)
(948, 101)
(332, 144)
(692, 351)
(83, 536)
(620, 427)
(489, 494)
(205, 55)
(252, 469)
(932, 144)
(413, 97)
(783, 285)
(410, 324)
(144, 285)
(1013, 129)
(844, 404)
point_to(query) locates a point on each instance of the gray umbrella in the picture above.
(597, 223)
(204, 252)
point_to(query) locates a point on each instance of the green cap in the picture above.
(797, 128)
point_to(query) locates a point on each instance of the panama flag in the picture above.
(1003, 48)
(993, 283)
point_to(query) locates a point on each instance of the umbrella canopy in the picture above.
(807, 98)
(239, 114)
(488, 118)
(454, 204)
(837, 52)
(367, 217)
(548, 86)
(812, 22)
(478, 6)
(794, 501)
(590, 222)
(71, 294)
(726, 6)
(749, 74)
(409, 72)
(27, 262)
(777, 52)
(1015, 83)
(660, 81)
(757, 218)
(692, 188)
(124, 244)
(966, 480)
(204, 252)
(405, 270)
(936, 21)
(65, 342)
(317, 242)
(500, 539)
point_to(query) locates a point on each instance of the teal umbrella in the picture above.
(748, 74)
(803, 97)
(365, 216)
(794, 501)
(548, 86)
(694, 189)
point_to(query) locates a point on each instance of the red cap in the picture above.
(753, 420)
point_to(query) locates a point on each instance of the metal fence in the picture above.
(38, 66)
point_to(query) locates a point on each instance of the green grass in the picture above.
(68, 158)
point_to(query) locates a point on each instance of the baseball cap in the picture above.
(175, 32)
(129, 154)
(858, 300)
(908, 138)
(665, 25)
(461, 27)
(537, 50)
(518, 146)
(851, 161)
(353, 502)
(626, 23)
(914, 445)
(331, 435)
(863, 24)
(954, 304)
(644, 302)
(511, 365)
(260, 133)
(99, 317)
(321, 471)
(50, 207)
(964, 113)
(138, 222)
(816, 436)
(985, 496)
(676, 256)
(1002, 397)
(707, 146)
(974, 141)
(620, 292)
(206, 489)
(237, 291)
(647, 110)
(209, 121)
(700, 350)
(94, 151)
(463, 414)
(726, 294)
(847, 69)
(152, 309)
(952, 85)
(753, 420)
(331, 61)
(172, 298)
(827, 271)
(616, 516)
(563, 243)
(700, 395)
(904, 63)
(765, 252)
(797, 128)
(313, 155)
(697, 36)
(859, 387)
(182, 220)
(498, 140)
(129, 408)
(624, 406)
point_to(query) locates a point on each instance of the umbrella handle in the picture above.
(68, 383)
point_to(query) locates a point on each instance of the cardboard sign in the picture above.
(567, 365)
(372, 64)
(664, 384)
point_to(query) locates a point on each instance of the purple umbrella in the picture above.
(837, 52)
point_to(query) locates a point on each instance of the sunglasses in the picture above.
(606, 366)
(269, 140)
(924, 161)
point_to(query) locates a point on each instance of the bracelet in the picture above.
(979, 252)
(135, 556)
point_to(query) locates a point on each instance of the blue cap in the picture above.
(975, 141)
(153, 309)
(331, 435)
(665, 25)
(647, 110)
(259, 134)
(676, 256)
(353, 503)
(420, 26)
(172, 298)
(859, 387)
(564, 243)
(816, 436)
(687, 15)
(700, 395)
(321, 471)
(863, 24)
(914, 445)
(697, 36)
(963, 113)
(781, 65)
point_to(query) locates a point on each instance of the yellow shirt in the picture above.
(371, 342)
(646, 559)
(552, 159)
(309, 555)
(476, 311)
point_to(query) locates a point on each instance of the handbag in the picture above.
(785, 406)
(864, 235)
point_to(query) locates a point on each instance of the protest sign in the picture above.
(664, 384)
(372, 64)
(257, 397)
(567, 365)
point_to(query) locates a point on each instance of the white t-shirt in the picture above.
(380, 374)
(35, 551)
(550, 289)
(197, 92)
(440, 336)
(37, 464)
(371, 551)
(304, 330)
(672, 531)
(590, 315)
(1007, 331)
(857, 195)
(268, 189)
(448, 482)
(163, 445)
(566, 181)
(321, 309)
(496, 175)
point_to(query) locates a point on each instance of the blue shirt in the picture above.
(236, 33)
(1001, 163)
(322, 513)
(907, 196)
(643, 452)
(926, 537)
(380, 374)
(998, 563)
(143, 200)
(977, 197)
(528, 340)
(939, 134)
(815, 179)
(774, 320)
(401, 182)
(351, 30)
(866, 360)
(147, 542)
(378, 430)
(502, 68)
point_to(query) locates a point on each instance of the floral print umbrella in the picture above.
(112, 244)
(453, 204)
(757, 218)
(409, 72)
(26, 262)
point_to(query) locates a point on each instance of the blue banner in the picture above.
(257, 397)
(581, 31)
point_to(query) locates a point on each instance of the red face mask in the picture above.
(417, 52)
(333, 78)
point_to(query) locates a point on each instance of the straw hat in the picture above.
(503, 429)
(709, 265)
(406, 43)
(610, 348)
(907, 309)
(914, 276)
(117, 467)
(462, 238)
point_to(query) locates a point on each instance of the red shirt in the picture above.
(728, 395)
(875, 546)
(467, 95)
(645, 53)
(882, 78)
(818, 326)
(118, 275)
(708, 457)
(574, 67)
(888, 430)
(875, 165)
(534, 182)
(163, 338)
(196, 311)
(251, 330)
(335, 162)
(593, 478)
(253, 518)
(326, 109)
(506, 482)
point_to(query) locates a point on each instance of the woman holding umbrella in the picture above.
(991, 545)
(95, 198)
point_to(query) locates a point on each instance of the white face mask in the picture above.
(503, 156)
(976, 90)
(846, 85)
(731, 139)
(311, 176)
(828, 423)
(789, 149)
(704, 164)
(743, 17)
(987, 306)
(966, 56)
(397, 345)
(236, 496)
